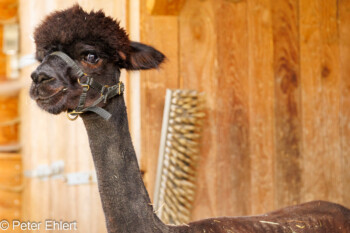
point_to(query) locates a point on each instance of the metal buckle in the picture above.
(73, 115)
(105, 87)
(84, 84)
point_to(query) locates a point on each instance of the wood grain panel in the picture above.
(320, 94)
(8, 14)
(8, 9)
(261, 95)
(87, 193)
(344, 36)
(10, 186)
(25, 11)
(2, 56)
(198, 70)
(10, 205)
(160, 7)
(162, 33)
(39, 128)
(9, 120)
(310, 72)
(312, 95)
(232, 108)
(330, 101)
(10, 170)
(65, 150)
(287, 102)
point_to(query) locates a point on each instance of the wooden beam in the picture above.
(8, 120)
(11, 88)
(8, 9)
(161, 7)
(2, 56)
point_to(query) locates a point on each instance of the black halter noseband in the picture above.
(107, 92)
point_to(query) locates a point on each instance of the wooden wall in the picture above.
(276, 78)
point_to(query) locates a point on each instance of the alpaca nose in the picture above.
(39, 77)
(34, 76)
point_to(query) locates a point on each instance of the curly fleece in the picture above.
(64, 28)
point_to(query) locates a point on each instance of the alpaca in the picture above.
(81, 53)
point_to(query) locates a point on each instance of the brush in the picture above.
(178, 156)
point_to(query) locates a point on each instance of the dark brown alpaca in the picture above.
(101, 48)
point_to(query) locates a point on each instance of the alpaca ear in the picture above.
(142, 57)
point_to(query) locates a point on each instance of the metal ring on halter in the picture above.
(84, 84)
(84, 75)
(73, 115)
(103, 90)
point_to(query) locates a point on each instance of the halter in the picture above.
(107, 92)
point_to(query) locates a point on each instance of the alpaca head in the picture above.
(97, 44)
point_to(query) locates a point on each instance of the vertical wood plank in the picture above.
(84, 195)
(320, 101)
(330, 100)
(36, 195)
(261, 94)
(232, 107)
(8, 13)
(2, 56)
(69, 148)
(344, 36)
(133, 83)
(10, 186)
(8, 10)
(162, 33)
(287, 102)
(198, 70)
(310, 71)
(9, 120)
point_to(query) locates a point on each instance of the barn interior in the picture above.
(275, 81)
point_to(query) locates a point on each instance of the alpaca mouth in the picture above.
(43, 98)
(55, 97)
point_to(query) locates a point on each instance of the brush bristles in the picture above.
(181, 151)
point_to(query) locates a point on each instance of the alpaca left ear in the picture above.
(142, 57)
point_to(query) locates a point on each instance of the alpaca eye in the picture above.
(91, 58)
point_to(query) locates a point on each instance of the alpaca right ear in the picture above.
(142, 57)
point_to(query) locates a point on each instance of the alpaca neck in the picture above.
(125, 200)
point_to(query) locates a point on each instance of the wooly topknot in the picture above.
(63, 28)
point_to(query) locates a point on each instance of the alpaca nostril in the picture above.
(39, 77)
(42, 77)
(34, 76)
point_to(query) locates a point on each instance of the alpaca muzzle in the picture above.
(107, 92)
